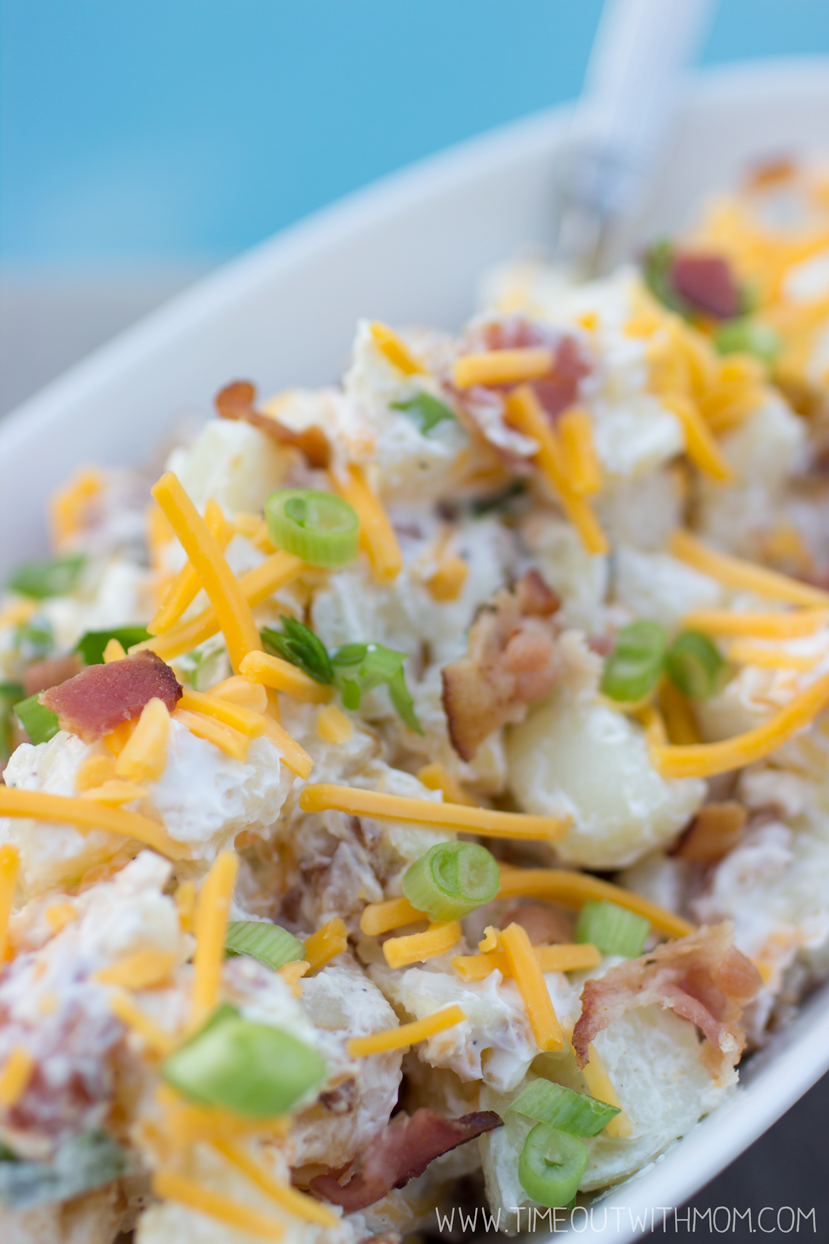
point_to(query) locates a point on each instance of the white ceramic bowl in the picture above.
(411, 249)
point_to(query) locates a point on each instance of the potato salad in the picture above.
(415, 790)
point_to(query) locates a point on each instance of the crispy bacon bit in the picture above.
(101, 697)
(401, 1152)
(713, 832)
(702, 978)
(512, 659)
(707, 284)
(543, 925)
(41, 675)
(236, 401)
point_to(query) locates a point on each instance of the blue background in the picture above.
(151, 131)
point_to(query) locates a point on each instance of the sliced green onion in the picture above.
(657, 273)
(10, 693)
(81, 1163)
(695, 664)
(34, 638)
(428, 411)
(319, 527)
(249, 1068)
(269, 943)
(53, 576)
(91, 645)
(577, 1113)
(635, 665)
(298, 644)
(551, 1165)
(359, 668)
(452, 879)
(613, 929)
(748, 337)
(39, 722)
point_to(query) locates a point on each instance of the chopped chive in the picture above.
(613, 929)
(10, 694)
(39, 722)
(250, 1068)
(80, 1163)
(551, 1165)
(359, 668)
(452, 879)
(547, 1102)
(428, 411)
(54, 576)
(91, 645)
(746, 336)
(319, 527)
(635, 665)
(269, 943)
(694, 663)
(298, 644)
(34, 638)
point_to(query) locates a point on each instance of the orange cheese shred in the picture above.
(211, 926)
(328, 941)
(86, 814)
(742, 575)
(376, 532)
(533, 988)
(560, 885)
(405, 1034)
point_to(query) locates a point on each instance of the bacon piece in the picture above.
(702, 978)
(543, 926)
(236, 401)
(512, 659)
(707, 284)
(51, 672)
(401, 1152)
(713, 832)
(101, 697)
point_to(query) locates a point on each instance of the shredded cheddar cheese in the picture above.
(490, 940)
(283, 676)
(15, 1076)
(185, 586)
(207, 559)
(186, 1123)
(526, 414)
(18, 611)
(582, 463)
(293, 972)
(114, 651)
(744, 576)
(382, 807)
(170, 1186)
(447, 582)
(700, 445)
(564, 958)
(706, 759)
(399, 952)
(94, 771)
(141, 970)
(678, 714)
(283, 1195)
(573, 889)
(435, 777)
(773, 657)
(503, 366)
(599, 1085)
(186, 905)
(85, 814)
(328, 941)
(211, 926)
(255, 586)
(394, 349)
(380, 918)
(232, 742)
(69, 506)
(144, 755)
(115, 793)
(290, 752)
(58, 915)
(242, 719)
(529, 978)
(126, 1009)
(333, 726)
(118, 737)
(376, 532)
(405, 1034)
(792, 624)
(241, 691)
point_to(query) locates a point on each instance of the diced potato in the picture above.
(582, 758)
